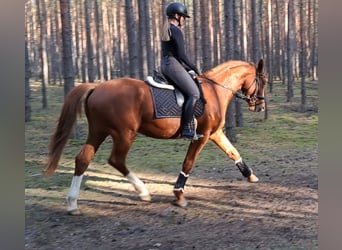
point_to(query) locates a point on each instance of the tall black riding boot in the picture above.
(188, 123)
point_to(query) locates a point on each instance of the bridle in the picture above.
(250, 100)
(255, 97)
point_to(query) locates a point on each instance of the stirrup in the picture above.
(197, 136)
(190, 132)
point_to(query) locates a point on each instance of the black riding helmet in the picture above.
(176, 8)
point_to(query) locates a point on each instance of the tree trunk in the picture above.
(215, 31)
(143, 19)
(313, 47)
(113, 17)
(205, 36)
(290, 50)
(107, 40)
(53, 58)
(230, 122)
(149, 34)
(269, 45)
(100, 63)
(284, 57)
(229, 20)
(131, 29)
(68, 67)
(255, 32)
(27, 85)
(243, 30)
(41, 11)
(237, 55)
(238, 112)
(90, 50)
(278, 31)
(237, 29)
(303, 61)
(229, 55)
(197, 35)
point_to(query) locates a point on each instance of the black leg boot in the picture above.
(189, 123)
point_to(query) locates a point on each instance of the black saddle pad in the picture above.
(165, 104)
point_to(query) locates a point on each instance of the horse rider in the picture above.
(175, 65)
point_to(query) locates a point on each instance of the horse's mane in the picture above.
(226, 66)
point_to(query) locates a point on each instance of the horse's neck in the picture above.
(224, 90)
(229, 78)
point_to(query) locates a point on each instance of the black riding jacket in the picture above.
(176, 48)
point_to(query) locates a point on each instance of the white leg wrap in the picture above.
(74, 192)
(138, 184)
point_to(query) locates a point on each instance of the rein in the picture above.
(238, 94)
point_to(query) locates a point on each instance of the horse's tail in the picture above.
(71, 108)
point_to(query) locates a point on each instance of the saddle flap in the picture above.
(168, 103)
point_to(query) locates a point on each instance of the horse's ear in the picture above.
(261, 66)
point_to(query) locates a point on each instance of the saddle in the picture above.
(159, 81)
(168, 100)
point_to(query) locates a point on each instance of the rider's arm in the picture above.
(178, 37)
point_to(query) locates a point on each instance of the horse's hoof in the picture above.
(75, 212)
(180, 204)
(146, 197)
(253, 178)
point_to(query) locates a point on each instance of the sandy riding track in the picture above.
(223, 213)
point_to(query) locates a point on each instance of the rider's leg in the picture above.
(184, 82)
(188, 126)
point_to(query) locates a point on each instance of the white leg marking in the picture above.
(139, 186)
(74, 192)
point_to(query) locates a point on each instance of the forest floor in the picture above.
(224, 211)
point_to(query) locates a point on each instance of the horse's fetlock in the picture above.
(71, 203)
(180, 184)
(244, 169)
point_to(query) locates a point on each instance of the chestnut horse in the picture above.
(123, 107)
